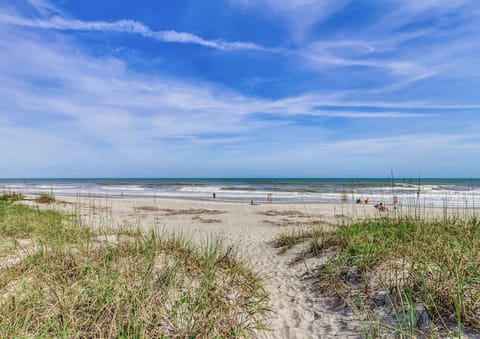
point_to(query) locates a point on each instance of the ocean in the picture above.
(426, 192)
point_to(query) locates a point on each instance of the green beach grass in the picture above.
(45, 199)
(424, 275)
(60, 278)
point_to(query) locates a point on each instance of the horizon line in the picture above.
(224, 178)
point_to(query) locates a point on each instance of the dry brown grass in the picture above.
(289, 213)
(45, 199)
(206, 221)
(189, 211)
(289, 222)
(147, 208)
(185, 211)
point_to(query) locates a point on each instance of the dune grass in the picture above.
(76, 282)
(45, 198)
(426, 271)
(11, 197)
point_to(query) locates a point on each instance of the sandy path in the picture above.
(299, 312)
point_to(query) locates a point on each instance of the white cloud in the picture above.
(411, 41)
(125, 26)
(366, 49)
(85, 100)
(300, 15)
(429, 5)
(319, 55)
(409, 155)
(44, 8)
(61, 103)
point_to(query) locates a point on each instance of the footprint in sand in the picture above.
(308, 315)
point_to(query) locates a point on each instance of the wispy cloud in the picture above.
(126, 26)
(300, 15)
(320, 55)
(369, 48)
(65, 103)
(93, 93)
(44, 7)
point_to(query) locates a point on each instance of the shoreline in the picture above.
(352, 204)
(455, 193)
(306, 206)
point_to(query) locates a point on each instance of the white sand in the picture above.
(299, 311)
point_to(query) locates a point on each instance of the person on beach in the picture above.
(381, 207)
(359, 201)
(367, 200)
(214, 195)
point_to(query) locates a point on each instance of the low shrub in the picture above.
(45, 199)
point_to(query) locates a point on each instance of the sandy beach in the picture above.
(299, 312)
(239, 168)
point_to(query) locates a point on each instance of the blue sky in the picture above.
(239, 88)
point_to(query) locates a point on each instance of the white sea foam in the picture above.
(200, 189)
(439, 195)
(123, 188)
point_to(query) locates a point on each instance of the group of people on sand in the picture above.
(366, 201)
(380, 206)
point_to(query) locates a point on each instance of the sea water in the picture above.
(425, 192)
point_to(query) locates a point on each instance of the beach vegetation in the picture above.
(11, 197)
(406, 276)
(61, 278)
(45, 198)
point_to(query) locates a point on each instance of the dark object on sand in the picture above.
(381, 207)
(359, 201)
(214, 195)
